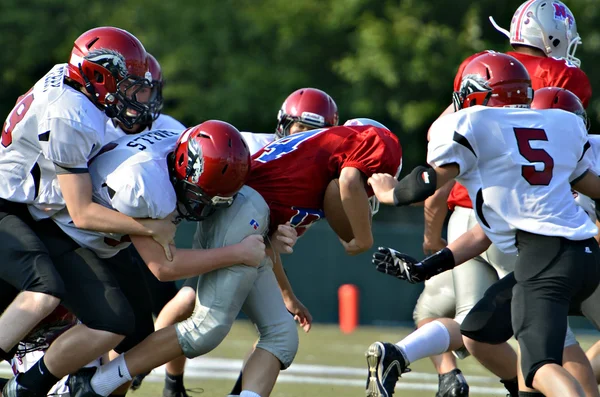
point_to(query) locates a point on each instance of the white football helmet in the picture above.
(548, 25)
(364, 121)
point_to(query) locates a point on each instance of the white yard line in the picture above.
(222, 368)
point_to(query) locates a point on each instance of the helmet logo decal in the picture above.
(561, 13)
(195, 163)
(109, 59)
(474, 83)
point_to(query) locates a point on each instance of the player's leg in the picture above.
(593, 354)
(26, 266)
(551, 273)
(438, 301)
(129, 275)
(591, 310)
(93, 295)
(170, 306)
(220, 296)
(177, 309)
(278, 341)
(387, 361)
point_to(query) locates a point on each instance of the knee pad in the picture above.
(281, 340)
(197, 338)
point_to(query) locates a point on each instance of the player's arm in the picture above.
(69, 147)
(192, 262)
(292, 303)
(435, 211)
(402, 266)
(417, 186)
(86, 214)
(355, 202)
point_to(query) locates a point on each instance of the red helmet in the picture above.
(559, 98)
(102, 59)
(308, 106)
(496, 80)
(210, 165)
(157, 101)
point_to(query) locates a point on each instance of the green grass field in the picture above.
(344, 375)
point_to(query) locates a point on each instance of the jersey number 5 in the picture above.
(534, 177)
(16, 115)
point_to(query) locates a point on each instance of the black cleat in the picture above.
(512, 386)
(12, 388)
(137, 380)
(452, 384)
(80, 383)
(386, 363)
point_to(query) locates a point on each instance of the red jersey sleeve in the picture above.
(573, 79)
(373, 150)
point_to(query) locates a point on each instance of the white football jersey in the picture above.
(257, 141)
(163, 122)
(517, 165)
(129, 175)
(52, 127)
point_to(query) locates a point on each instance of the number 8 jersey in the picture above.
(53, 128)
(517, 165)
(293, 173)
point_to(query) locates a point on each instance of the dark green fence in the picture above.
(319, 266)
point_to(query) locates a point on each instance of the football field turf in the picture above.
(328, 363)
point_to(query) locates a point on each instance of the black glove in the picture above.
(405, 267)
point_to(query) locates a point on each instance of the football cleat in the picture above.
(512, 386)
(12, 388)
(452, 384)
(137, 380)
(386, 363)
(80, 383)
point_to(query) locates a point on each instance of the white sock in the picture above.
(110, 376)
(248, 393)
(431, 339)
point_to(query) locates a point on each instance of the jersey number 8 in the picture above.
(16, 115)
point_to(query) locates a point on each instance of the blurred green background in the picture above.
(237, 60)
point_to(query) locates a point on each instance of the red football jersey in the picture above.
(293, 173)
(544, 72)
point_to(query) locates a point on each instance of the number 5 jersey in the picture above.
(293, 173)
(517, 165)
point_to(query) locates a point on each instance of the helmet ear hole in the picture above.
(98, 77)
(556, 42)
(180, 160)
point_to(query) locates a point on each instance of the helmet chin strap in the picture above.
(544, 35)
(498, 28)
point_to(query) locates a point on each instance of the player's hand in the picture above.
(284, 239)
(299, 311)
(352, 248)
(163, 232)
(399, 265)
(431, 245)
(252, 250)
(383, 186)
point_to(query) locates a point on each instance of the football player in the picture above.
(296, 196)
(304, 109)
(544, 38)
(47, 141)
(458, 148)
